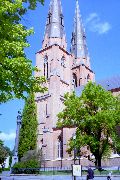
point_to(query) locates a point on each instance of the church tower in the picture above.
(55, 64)
(82, 72)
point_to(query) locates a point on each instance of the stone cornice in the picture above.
(115, 90)
(64, 82)
(49, 47)
(43, 97)
(82, 65)
(45, 49)
(69, 127)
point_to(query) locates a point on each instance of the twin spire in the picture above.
(55, 24)
(55, 30)
(56, 19)
(78, 41)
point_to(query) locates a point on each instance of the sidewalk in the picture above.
(56, 177)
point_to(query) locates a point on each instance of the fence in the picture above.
(66, 170)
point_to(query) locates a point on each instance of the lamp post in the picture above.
(61, 147)
(74, 137)
(44, 162)
(19, 121)
(76, 168)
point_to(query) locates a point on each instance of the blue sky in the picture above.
(102, 24)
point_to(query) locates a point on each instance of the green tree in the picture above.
(95, 114)
(15, 68)
(32, 3)
(4, 152)
(117, 149)
(33, 155)
(28, 131)
(10, 154)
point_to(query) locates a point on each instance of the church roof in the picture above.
(49, 47)
(109, 84)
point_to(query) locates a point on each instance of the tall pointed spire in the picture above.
(78, 42)
(55, 24)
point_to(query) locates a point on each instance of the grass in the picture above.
(96, 172)
(48, 173)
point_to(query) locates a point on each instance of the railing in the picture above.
(56, 169)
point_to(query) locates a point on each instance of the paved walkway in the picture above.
(53, 178)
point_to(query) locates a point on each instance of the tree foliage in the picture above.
(28, 131)
(33, 155)
(95, 114)
(33, 3)
(27, 164)
(4, 152)
(31, 159)
(15, 68)
(27, 167)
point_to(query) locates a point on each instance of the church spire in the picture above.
(54, 32)
(78, 41)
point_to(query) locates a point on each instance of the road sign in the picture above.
(77, 170)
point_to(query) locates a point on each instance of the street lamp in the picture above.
(76, 170)
(61, 147)
(74, 137)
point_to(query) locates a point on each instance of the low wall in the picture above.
(83, 162)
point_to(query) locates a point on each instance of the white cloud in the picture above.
(7, 136)
(101, 28)
(91, 17)
(95, 24)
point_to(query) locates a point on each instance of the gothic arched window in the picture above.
(49, 18)
(59, 149)
(60, 146)
(75, 79)
(88, 77)
(73, 39)
(46, 66)
(63, 61)
(79, 82)
(61, 19)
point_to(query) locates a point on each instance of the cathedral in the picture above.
(65, 71)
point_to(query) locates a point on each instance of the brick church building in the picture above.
(65, 72)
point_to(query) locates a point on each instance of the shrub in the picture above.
(0, 170)
(28, 167)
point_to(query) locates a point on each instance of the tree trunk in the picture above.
(99, 163)
(96, 164)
